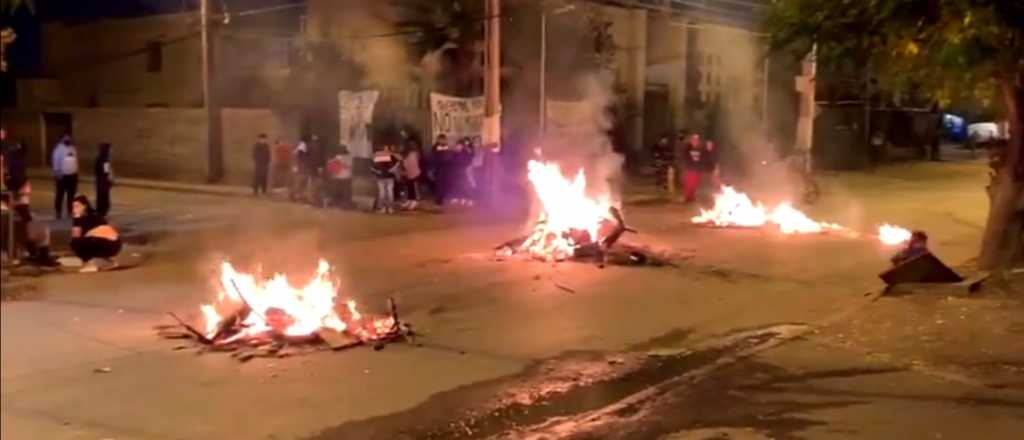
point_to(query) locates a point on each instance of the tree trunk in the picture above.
(1002, 245)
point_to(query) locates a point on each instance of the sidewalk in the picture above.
(194, 188)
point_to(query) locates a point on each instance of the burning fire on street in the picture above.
(272, 313)
(735, 209)
(571, 224)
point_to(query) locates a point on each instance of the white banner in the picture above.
(355, 111)
(456, 117)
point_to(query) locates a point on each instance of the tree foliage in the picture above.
(968, 49)
(956, 48)
(12, 6)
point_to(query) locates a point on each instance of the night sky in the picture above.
(24, 56)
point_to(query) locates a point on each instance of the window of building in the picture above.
(154, 56)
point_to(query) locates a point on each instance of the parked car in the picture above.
(982, 132)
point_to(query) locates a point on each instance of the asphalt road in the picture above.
(753, 334)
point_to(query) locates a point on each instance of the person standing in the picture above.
(64, 162)
(663, 154)
(260, 165)
(338, 171)
(701, 161)
(385, 168)
(411, 173)
(104, 174)
(441, 165)
(15, 166)
(281, 159)
(301, 171)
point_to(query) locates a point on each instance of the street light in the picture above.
(544, 61)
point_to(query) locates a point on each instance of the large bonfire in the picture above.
(251, 311)
(735, 209)
(570, 220)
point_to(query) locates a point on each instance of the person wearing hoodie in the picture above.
(441, 164)
(104, 174)
(302, 172)
(385, 167)
(64, 162)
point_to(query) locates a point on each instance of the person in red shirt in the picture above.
(339, 178)
(701, 161)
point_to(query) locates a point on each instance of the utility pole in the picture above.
(805, 84)
(543, 73)
(215, 153)
(492, 92)
(544, 63)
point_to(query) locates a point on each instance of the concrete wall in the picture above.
(164, 144)
(241, 126)
(105, 63)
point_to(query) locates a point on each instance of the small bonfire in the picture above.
(271, 315)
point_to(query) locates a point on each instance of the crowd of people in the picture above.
(92, 239)
(402, 171)
(693, 159)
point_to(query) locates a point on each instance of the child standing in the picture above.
(385, 168)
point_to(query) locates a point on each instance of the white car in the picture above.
(984, 132)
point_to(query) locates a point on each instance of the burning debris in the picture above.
(735, 209)
(270, 314)
(571, 225)
(893, 235)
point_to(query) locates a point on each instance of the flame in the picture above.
(569, 217)
(893, 235)
(733, 208)
(277, 307)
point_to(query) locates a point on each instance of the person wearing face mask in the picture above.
(64, 162)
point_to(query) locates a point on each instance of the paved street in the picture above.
(754, 335)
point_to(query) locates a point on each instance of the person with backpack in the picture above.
(64, 162)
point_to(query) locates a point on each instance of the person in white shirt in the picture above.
(64, 162)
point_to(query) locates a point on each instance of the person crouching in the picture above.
(93, 240)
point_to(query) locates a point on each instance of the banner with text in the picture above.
(355, 111)
(456, 117)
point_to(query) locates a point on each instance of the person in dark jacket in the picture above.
(15, 175)
(260, 165)
(462, 158)
(441, 165)
(663, 153)
(104, 174)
